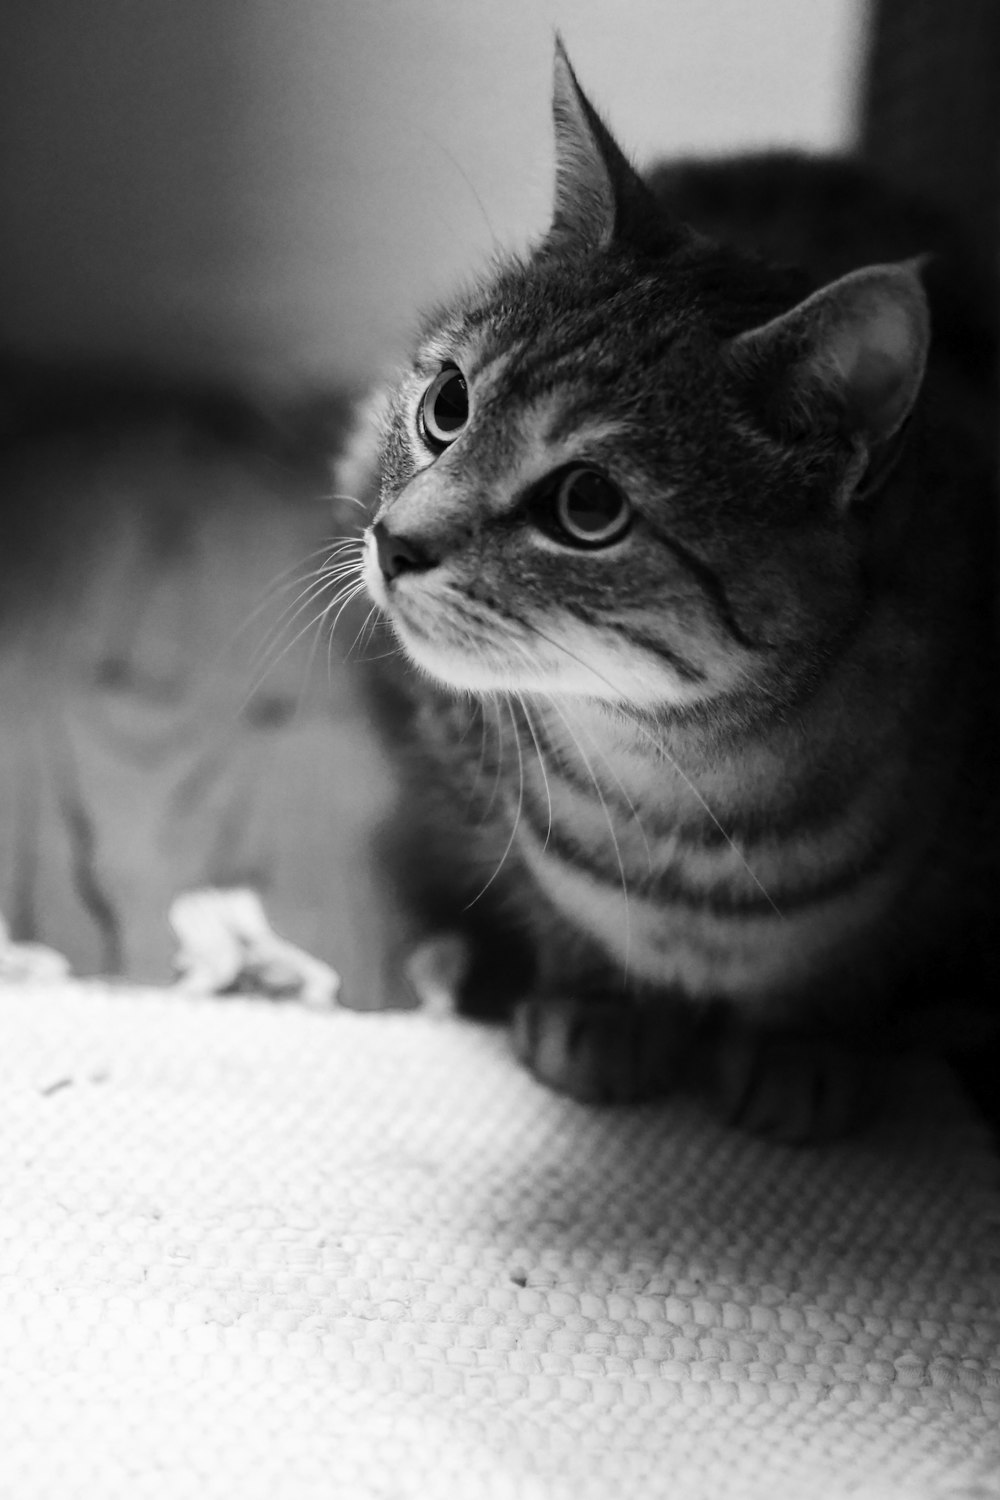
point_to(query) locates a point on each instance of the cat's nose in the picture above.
(397, 554)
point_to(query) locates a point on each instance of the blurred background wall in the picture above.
(267, 189)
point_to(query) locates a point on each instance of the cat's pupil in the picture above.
(451, 406)
(445, 408)
(590, 509)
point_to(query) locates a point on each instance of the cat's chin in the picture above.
(473, 671)
(457, 670)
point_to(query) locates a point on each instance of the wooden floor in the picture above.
(160, 726)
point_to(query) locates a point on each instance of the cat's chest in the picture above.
(724, 877)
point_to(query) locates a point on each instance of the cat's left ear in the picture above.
(855, 351)
(600, 199)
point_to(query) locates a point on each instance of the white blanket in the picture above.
(251, 1249)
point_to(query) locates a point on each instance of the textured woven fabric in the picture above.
(258, 1250)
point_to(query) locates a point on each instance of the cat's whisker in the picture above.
(493, 699)
(445, 151)
(312, 585)
(287, 578)
(365, 631)
(633, 812)
(480, 719)
(662, 749)
(611, 827)
(335, 495)
(348, 571)
(340, 602)
(351, 590)
(608, 767)
(264, 657)
(522, 700)
(306, 673)
(270, 665)
(517, 814)
(385, 655)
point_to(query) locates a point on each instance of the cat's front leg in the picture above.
(603, 1051)
(794, 1089)
(798, 1089)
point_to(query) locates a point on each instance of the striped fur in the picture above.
(739, 757)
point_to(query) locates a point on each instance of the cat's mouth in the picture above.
(475, 644)
(457, 646)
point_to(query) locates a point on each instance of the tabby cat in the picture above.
(691, 559)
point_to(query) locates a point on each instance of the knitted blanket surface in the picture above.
(261, 1250)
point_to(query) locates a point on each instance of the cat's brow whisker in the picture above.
(436, 141)
(342, 495)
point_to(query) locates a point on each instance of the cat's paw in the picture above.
(600, 1052)
(795, 1090)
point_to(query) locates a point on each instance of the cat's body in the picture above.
(698, 566)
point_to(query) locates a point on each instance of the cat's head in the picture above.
(625, 466)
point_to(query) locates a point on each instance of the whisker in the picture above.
(287, 619)
(481, 720)
(268, 667)
(606, 761)
(313, 585)
(348, 571)
(350, 592)
(517, 815)
(262, 676)
(287, 578)
(332, 567)
(668, 756)
(492, 699)
(363, 634)
(386, 655)
(541, 765)
(436, 141)
(611, 828)
(351, 499)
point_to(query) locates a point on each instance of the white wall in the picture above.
(271, 187)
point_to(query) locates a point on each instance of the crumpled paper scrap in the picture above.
(227, 946)
(21, 962)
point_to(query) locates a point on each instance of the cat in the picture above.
(686, 533)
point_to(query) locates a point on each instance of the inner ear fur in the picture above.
(853, 353)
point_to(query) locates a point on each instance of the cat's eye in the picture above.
(444, 407)
(589, 509)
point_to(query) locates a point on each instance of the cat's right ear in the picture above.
(600, 199)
